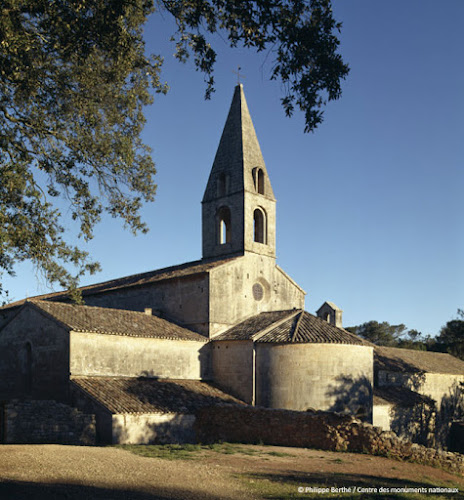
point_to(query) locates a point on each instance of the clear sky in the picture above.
(369, 207)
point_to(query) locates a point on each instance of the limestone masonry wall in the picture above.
(95, 354)
(322, 430)
(36, 422)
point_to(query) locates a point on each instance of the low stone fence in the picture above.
(35, 422)
(320, 430)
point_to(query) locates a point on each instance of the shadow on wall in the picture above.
(204, 360)
(416, 422)
(352, 396)
(451, 410)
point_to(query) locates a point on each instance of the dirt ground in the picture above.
(53, 472)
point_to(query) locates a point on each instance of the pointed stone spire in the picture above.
(238, 152)
(238, 212)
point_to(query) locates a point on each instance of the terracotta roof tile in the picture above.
(295, 326)
(409, 360)
(114, 321)
(246, 329)
(145, 395)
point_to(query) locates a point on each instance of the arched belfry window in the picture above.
(259, 226)
(258, 179)
(224, 225)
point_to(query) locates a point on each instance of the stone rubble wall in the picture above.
(320, 430)
(45, 421)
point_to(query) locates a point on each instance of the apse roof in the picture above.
(147, 395)
(291, 326)
(409, 360)
(114, 321)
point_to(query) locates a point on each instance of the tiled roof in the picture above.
(180, 271)
(253, 325)
(293, 326)
(409, 360)
(145, 395)
(399, 396)
(114, 321)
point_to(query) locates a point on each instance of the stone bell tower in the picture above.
(238, 207)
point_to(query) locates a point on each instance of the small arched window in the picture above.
(259, 226)
(224, 225)
(258, 179)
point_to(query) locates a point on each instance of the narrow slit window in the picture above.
(224, 225)
(222, 184)
(260, 181)
(259, 226)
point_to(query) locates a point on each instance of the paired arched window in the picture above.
(260, 226)
(258, 179)
(224, 225)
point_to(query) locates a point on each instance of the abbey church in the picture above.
(146, 350)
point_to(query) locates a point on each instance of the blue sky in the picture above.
(369, 207)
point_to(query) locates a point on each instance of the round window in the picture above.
(258, 291)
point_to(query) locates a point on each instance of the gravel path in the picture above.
(66, 472)
(55, 472)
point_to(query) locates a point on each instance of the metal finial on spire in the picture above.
(238, 74)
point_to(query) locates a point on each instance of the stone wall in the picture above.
(321, 430)
(232, 366)
(34, 357)
(186, 300)
(153, 428)
(231, 291)
(438, 386)
(95, 354)
(330, 377)
(44, 421)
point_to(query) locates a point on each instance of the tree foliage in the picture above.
(74, 79)
(451, 338)
(384, 334)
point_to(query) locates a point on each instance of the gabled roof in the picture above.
(145, 395)
(167, 273)
(412, 361)
(113, 321)
(292, 326)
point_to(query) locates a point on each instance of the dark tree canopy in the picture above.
(384, 334)
(74, 78)
(379, 333)
(451, 338)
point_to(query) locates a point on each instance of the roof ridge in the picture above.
(292, 313)
(297, 327)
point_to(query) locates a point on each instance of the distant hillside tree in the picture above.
(384, 334)
(451, 338)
